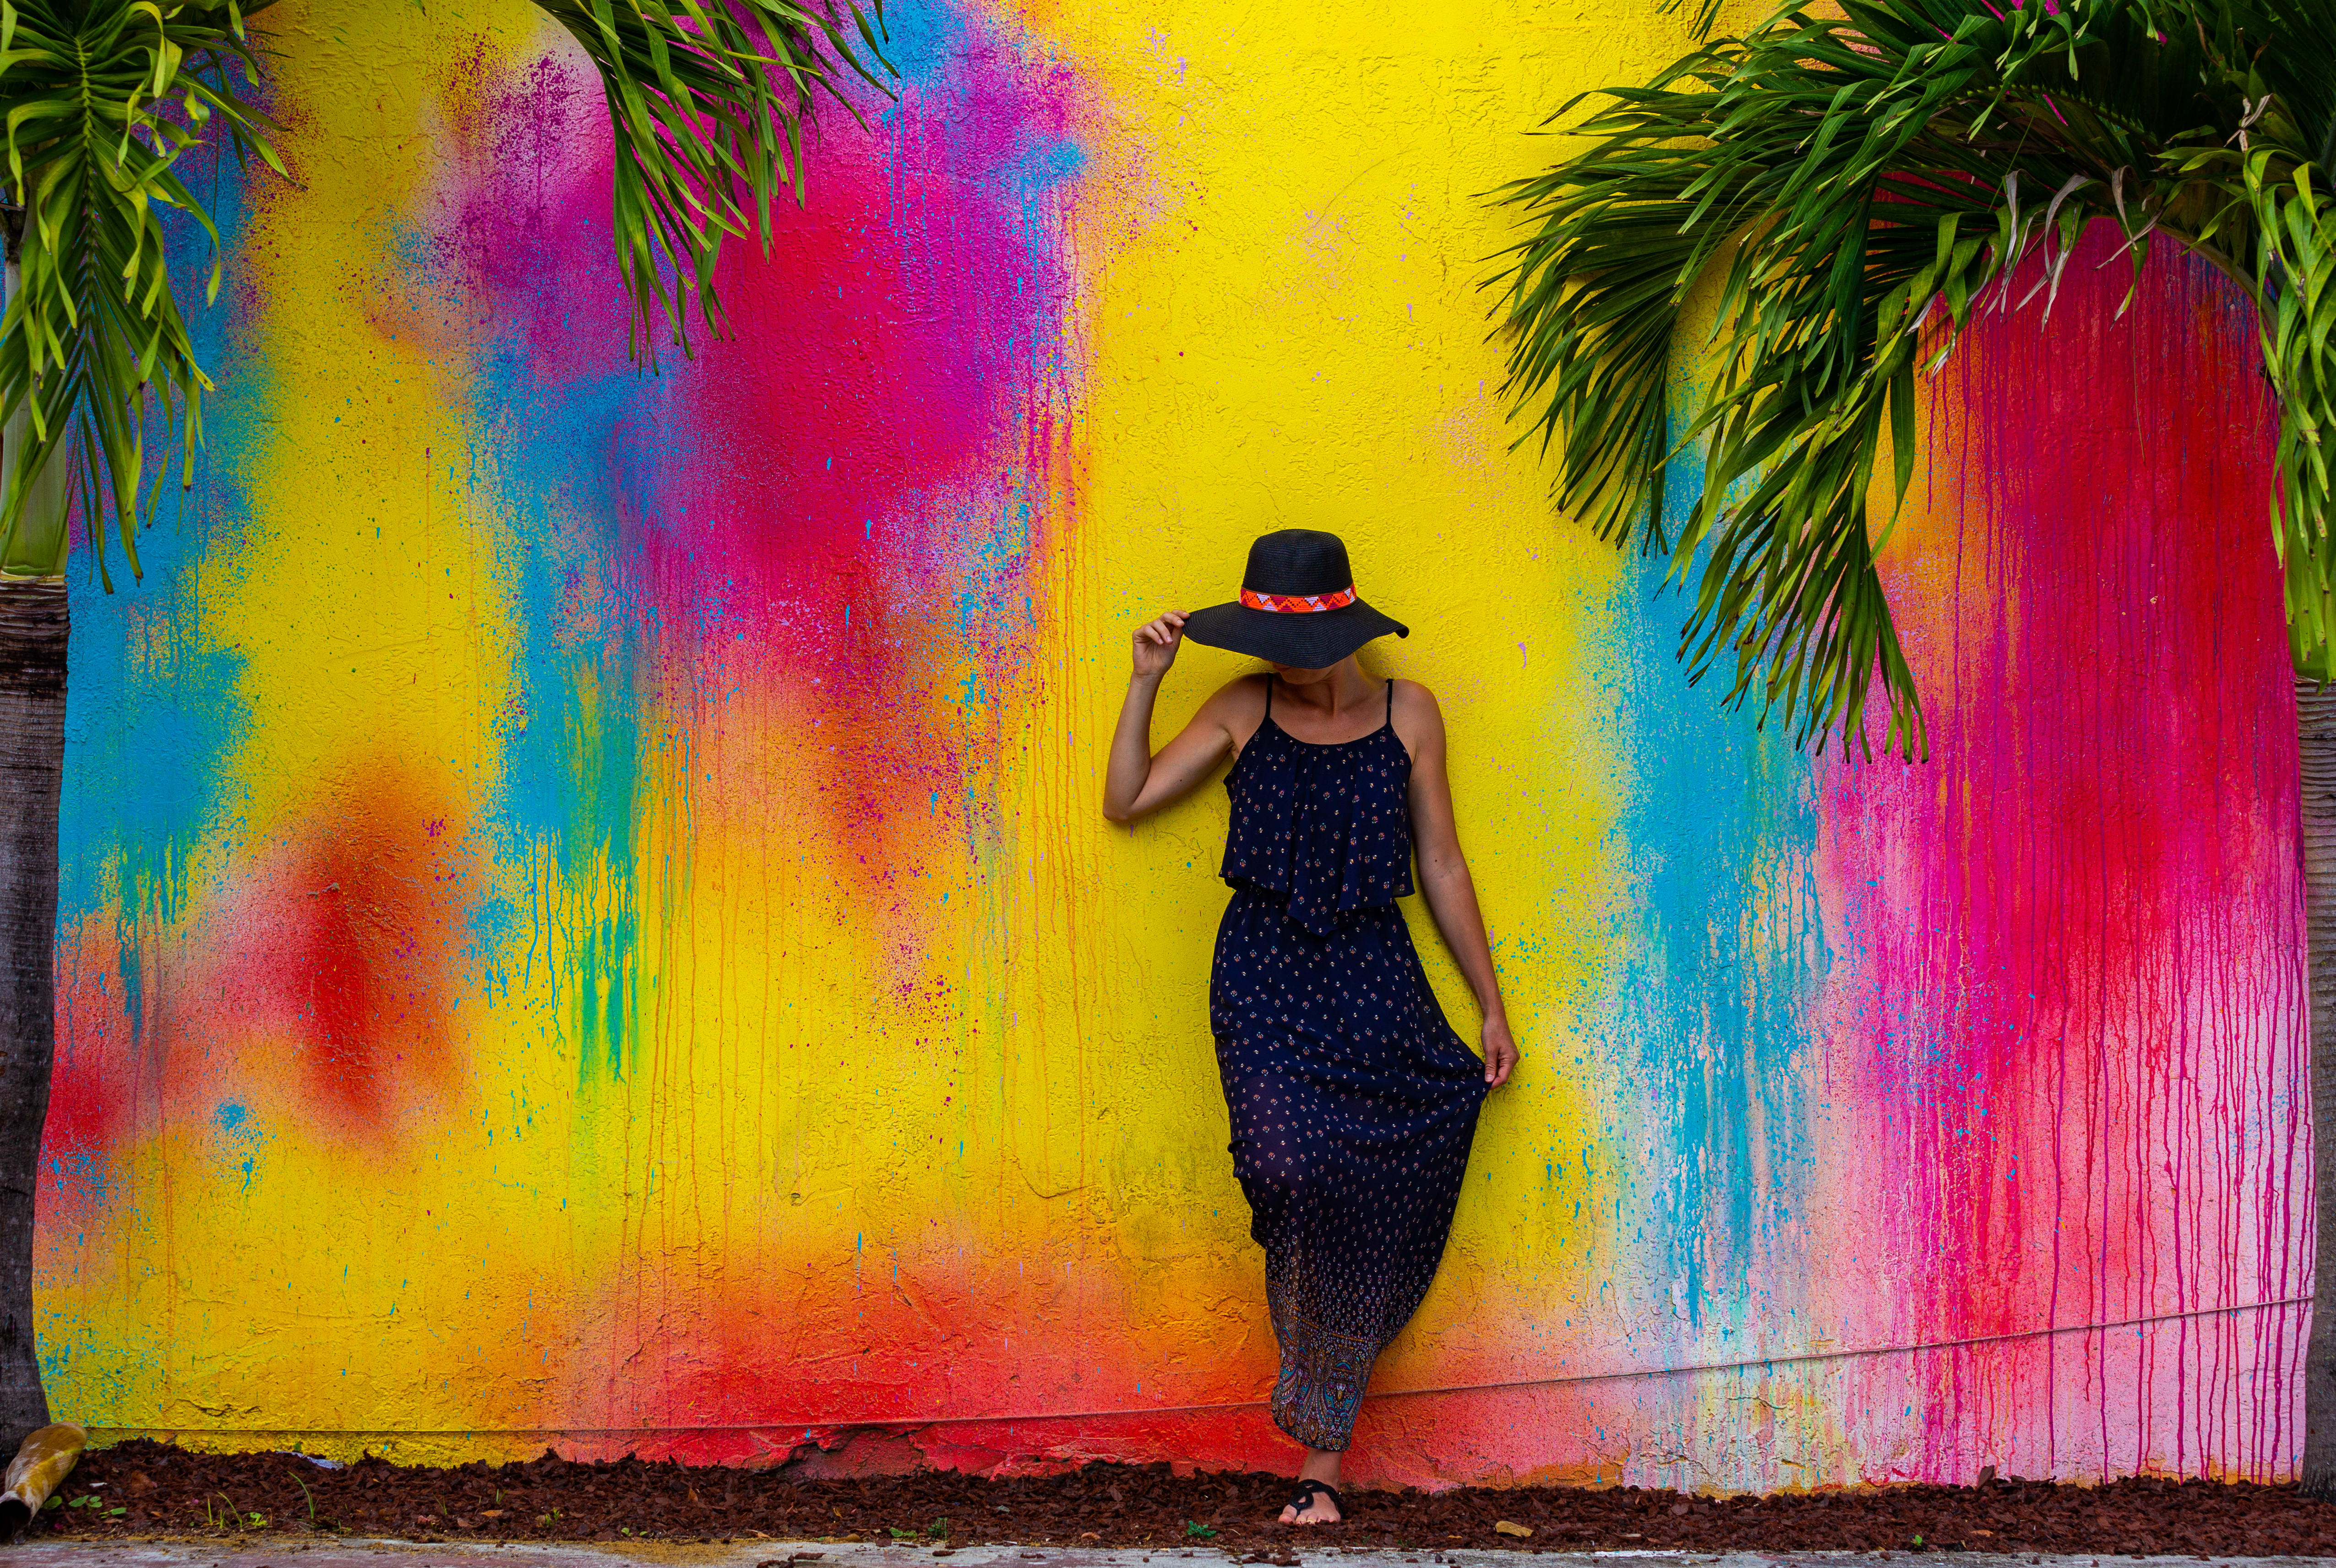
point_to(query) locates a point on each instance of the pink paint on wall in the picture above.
(2066, 1031)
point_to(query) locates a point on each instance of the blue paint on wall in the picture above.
(1723, 954)
(154, 709)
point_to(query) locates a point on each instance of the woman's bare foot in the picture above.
(1321, 1507)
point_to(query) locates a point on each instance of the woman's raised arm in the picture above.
(1137, 782)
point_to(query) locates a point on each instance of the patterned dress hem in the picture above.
(1321, 1387)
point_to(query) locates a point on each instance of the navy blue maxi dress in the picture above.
(1352, 1101)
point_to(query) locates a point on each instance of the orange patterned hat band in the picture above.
(1298, 603)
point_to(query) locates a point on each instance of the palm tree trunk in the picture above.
(32, 622)
(2315, 723)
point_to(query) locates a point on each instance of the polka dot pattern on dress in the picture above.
(1352, 1102)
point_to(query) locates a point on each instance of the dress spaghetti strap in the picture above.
(1268, 694)
(1390, 718)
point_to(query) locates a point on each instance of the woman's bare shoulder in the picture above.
(1419, 721)
(1237, 695)
(1238, 706)
(1415, 699)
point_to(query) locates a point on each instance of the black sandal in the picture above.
(1302, 1498)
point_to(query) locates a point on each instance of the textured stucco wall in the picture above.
(587, 921)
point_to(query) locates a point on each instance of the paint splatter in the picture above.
(636, 832)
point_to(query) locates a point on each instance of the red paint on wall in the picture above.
(93, 1080)
(350, 951)
(367, 1001)
(319, 983)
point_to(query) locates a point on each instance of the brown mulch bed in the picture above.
(144, 1488)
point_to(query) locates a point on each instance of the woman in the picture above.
(1352, 1102)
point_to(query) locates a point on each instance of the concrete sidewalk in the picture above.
(386, 1554)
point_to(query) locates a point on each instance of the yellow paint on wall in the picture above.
(941, 1137)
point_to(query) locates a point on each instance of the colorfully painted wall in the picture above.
(587, 921)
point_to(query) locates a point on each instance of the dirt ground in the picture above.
(144, 1489)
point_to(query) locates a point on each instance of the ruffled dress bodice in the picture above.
(1329, 827)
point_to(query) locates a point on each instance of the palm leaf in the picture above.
(102, 101)
(707, 103)
(1859, 183)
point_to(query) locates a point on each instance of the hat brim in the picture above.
(1311, 639)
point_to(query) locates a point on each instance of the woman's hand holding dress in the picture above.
(1500, 1049)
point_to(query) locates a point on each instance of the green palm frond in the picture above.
(707, 103)
(1858, 184)
(103, 99)
(103, 102)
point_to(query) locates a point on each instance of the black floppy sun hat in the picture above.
(1296, 606)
